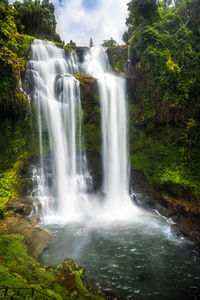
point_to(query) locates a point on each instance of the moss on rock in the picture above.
(15, 154)
(72, 276)
(118, 56)
(91, 112)
(91, 126)
(164, 155)
(19, 270)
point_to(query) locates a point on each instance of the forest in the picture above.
(164, 51)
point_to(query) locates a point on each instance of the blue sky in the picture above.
(91, 4)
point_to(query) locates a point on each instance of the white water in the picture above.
(57, 97)
(62, 179)
(112, 90)
(141, 261)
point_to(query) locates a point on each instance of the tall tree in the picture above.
(91, 44)
(109, 43)
(38, 18)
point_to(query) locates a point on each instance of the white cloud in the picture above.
(76, 23)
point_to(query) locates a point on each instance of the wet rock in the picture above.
(80, 51)
(186, 226)
(184, 211)
(58, 87)
(36, 238)
(92, 127)
(22, 206)
(71, 276)
(22, 220)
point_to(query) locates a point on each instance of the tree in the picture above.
(4, 2)
(91, 43)
(164, 45)
(109, 43)
(38, 18)
(71, 43)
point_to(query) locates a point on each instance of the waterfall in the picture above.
(114, 130)
(62, 178)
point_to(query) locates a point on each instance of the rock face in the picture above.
(185, 212)
(170, 199)
(71, 276)
(18, 269)
(118, 56)
(22, 221)
(164, 147)
(91, 127)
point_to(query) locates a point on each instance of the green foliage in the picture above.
(71, 43)
(82, 288)
(15, 127)
(165, 155)
(14, 50)
(15, 153)
(118, 56)
(37, 18)
(69, 48)
(142, 11)
(19, 270)
(109, 43)
(168, 54)
(165, 54)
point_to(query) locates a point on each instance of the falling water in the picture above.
(114, 129)
(62, 178)
(56, 94)
(137, 261)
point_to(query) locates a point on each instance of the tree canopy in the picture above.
(164, 48)
(71, 43)
(37, 18)
(109, 43)
(31, 18)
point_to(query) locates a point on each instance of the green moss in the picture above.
(118, 56)
(15, 124)
(65, 47)
(18, 269)
(73, 275)
(15, 154)
(82, 288)
(165, 129)
(14, 50)
(69, 48)
(164, 155)
(91, 113)
(85, 79)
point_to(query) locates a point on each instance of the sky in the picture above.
(80, 20)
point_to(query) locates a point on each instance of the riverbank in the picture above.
(184, 213)
(22, 240)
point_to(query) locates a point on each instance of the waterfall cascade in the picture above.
(114, 131)
(63, 178)
(131, 254)
(57, 96)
